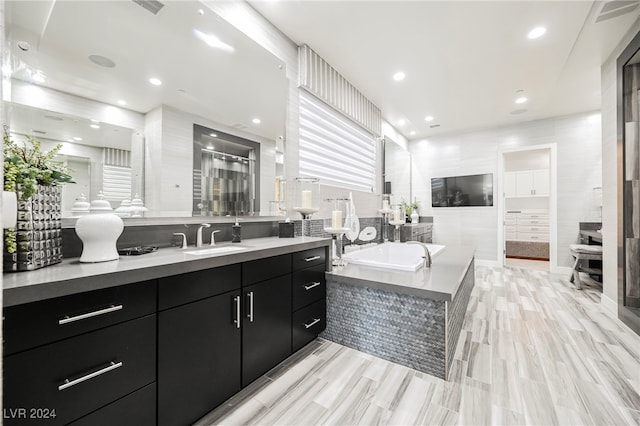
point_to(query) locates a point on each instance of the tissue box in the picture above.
(286, 230)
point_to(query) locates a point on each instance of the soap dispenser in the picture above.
(236, 232)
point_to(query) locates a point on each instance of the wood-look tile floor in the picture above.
(533, 350)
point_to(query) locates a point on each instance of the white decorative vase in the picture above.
(415, 217)
(99, 232)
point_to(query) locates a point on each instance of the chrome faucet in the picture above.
(199, 234)
(184, 239)
(427, 255)
(213, 237)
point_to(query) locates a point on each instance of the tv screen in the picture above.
(462, 191)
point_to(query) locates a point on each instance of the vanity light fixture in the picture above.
(122, 102)
(212, 41)
(399, 76)
(256, 121)
(94, 126)
(536, 33)
(155, 81)
(428, 118)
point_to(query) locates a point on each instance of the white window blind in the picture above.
(335, 149)
(116, 183)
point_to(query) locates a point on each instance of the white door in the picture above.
(524, 183)
(510, 184)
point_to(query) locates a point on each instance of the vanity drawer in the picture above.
(81, 374)
(138, 408)
(264, 269)
(309, 285)
(307, 258)
(185, 288)
(308, 323)
(34, 324)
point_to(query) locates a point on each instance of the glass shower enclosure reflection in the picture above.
(225, 174)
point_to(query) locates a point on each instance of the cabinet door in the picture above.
(266, 328)
(541, 182)
(198, 358)
(524, 183)
(510, 184)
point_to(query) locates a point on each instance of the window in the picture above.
(335, 149)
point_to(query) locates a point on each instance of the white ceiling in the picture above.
(464, 61)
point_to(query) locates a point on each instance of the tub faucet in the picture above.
(427, 255)
(199, 234)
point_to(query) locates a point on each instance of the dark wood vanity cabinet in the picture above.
(199, 340)
(266, 324)
(83, 353)
(309, 290)
(163, 351)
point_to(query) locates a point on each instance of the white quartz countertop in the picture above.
(71, 276)
(439, 282)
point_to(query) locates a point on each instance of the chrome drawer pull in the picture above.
(68, 383)
(309, 259)
(314, 322)
(237, 319)
(309, 287)
(111, 308)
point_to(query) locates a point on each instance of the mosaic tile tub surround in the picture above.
(416, 332)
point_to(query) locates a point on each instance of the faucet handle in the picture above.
(205, 225)
(184, 239)
(213, 238)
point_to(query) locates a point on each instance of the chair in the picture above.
(584, 252)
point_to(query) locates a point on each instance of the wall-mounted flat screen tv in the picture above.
(462, 191)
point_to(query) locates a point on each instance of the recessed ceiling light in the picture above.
(93, 120)
(213, 135)
(411, 133)
(401, 122)
(536, 32)
(200, 12)
(428, 118)
(77, 138)
(521, 100)
(399, 76)
(155, 81)
(256, 121)
(70, 140)
(209, 146)
(122, 102)
(94, 126)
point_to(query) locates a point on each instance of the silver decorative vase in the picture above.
(38, 232)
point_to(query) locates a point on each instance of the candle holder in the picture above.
(397, 220)
(307, 201)
(336, 227)
(385, 211)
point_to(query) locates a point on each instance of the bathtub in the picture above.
(398, 256)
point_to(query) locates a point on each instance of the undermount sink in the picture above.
(215, 250)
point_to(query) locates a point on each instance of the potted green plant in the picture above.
(408, 208)
(31, 173)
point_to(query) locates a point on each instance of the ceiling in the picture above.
(228, 87)
(464, 61)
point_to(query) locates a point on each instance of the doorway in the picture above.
(526, 213)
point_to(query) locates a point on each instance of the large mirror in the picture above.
(76, 63)
(397, 171)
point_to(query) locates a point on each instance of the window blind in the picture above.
(335, 149)
(116, 183)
